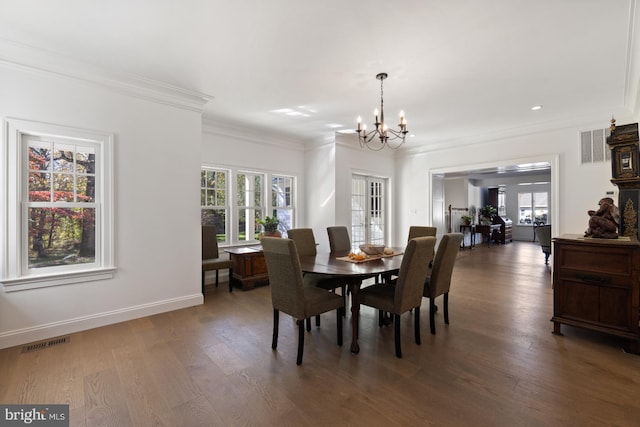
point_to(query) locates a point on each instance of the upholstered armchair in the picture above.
(211, 259)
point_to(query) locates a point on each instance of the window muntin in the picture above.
(214, 201)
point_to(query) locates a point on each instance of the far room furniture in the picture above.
(249, 267)
(354, 273)
(596, 286)
(506, 228)
(406, 293)
(289, 295)
(211, 258)
(490, 232)
(339, 240)
(543, 232)
(472, 234)
(438, 281)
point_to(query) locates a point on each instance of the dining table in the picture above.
(354, 272)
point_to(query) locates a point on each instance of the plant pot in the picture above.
(276, 233)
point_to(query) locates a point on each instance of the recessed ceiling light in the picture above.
(536, 107)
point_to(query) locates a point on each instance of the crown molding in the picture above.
(596, 120)
(248, 133)
(27, 58)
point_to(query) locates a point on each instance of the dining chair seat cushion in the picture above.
(379, 296)
(219, 263)
(318, 301)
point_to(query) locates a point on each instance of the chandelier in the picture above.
(381, 131)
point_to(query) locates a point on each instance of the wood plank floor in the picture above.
(496, 364)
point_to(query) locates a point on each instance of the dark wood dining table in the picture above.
(353, 273)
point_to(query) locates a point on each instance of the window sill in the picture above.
(35, 282)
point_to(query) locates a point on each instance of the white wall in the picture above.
(157, 229)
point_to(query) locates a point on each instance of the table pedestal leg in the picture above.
(355, 314)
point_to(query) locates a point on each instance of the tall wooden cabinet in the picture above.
(596, 286)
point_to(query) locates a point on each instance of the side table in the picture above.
(249, 266)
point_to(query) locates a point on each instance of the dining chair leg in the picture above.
(380, 317)
(318, 321)
(446, 308)
(276, 321)
(339, 316)
(203, 283)
(396, 320)
(417, 325)
(308, 322)
(217, 278)
(432, 316)
(300, 340)
(230, 276)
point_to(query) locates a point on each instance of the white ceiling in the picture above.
(456, 68)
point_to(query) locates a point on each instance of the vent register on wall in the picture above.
(593, 145)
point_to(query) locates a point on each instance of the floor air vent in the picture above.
(44, 344)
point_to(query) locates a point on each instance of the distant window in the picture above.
(533, 208)
(250, 204)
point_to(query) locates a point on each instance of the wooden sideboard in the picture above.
(596, 286)
(249, 267)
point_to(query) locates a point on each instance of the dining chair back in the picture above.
(421, 231)
(305, 240)
(407, 292)
(438, 281)
(339, 240)
(211, 258)
(288, 293)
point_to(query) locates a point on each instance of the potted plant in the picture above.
(270, 226)
(466, 219)
(486, 214)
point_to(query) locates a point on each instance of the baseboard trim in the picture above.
(69, 326)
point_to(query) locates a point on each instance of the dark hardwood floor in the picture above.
(496, 364)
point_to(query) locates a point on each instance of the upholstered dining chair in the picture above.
(438, 281)
(414, 231)
(306, 246)
(339, 240)
(211, 258)
(288, 293)
(407, 292)
(544, 237)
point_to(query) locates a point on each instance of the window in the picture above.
(282, 202)
(214, 200)
(368, 210)
(250, 205)
(57, 211)
(533, 208)
(235, 200)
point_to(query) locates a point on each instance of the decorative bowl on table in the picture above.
(371, 249)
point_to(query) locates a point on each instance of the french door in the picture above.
(368, 210)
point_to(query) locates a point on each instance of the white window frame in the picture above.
(250, 221)
(228, 197)
(284, 208)
(14, 274)
(369, 213)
